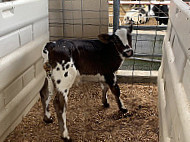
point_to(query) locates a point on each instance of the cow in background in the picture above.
(161, 13)
(137, 15)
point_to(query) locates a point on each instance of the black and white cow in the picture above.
(64, 60)
(161, 13)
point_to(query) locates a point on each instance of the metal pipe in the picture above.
(158, 28)
(146, 55)
(116, 13)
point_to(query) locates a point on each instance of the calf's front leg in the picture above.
(105, 88)
(116, 91)
(111, 80)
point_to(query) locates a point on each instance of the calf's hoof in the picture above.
(48, 120)
(66, 139)
(124, 110)
(106, 105)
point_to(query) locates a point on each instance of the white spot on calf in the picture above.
(122, 34)
(65, 82)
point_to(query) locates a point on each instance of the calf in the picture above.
(64, 60)
(138, 15)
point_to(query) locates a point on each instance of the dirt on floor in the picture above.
(88, 121)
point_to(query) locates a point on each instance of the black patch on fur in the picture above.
(67, 66)
(63, 64)
(58, 81)
(63, 68)
(65, 90)
(58, 68)
(44, 51)
(66, 74)
(72, 65)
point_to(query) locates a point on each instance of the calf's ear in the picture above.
(105, 38)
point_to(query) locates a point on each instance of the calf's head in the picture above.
(46, 50)
(122, 40)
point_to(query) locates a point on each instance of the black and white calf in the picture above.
(138, 15)
(64, 60)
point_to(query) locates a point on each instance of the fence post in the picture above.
(116, 7)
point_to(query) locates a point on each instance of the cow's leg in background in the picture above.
(114, 87)
(105, 88)
(45, 95)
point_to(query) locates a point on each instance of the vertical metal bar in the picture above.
(116, 13)
(100, 13)
(63, 26)
(82, 19)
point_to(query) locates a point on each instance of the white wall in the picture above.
(78, 18)
(23, 32)
(174, 77)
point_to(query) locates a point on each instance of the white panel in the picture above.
(169, 29)
(24, 12)
(40, 28)
(172, 36)
(19, 104)
(25, 35)
(163, 129)
(12, 90)
(186, 79)
(170, 98)
(9, 43)
(2, 101)
(13, 65)
(178, 131)
(180, 58)
(39, 67)
(28, 76)
(180, 21)
(18, 68)
(177, 74)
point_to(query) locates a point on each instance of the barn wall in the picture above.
(78, 18)
(174, 77)
(148, 42)
(23, 32)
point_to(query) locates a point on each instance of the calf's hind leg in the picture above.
(60, 104)
(45, 99)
